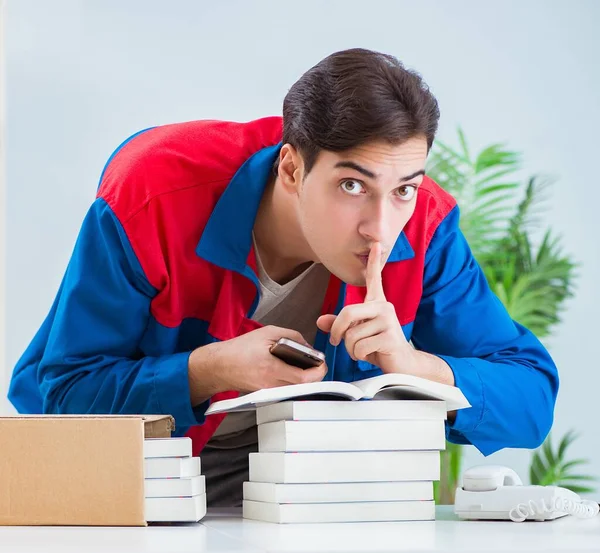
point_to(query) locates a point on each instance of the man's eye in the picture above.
(407, 192)
(352, 187)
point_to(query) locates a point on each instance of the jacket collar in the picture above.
(227, 237)
(402, 250)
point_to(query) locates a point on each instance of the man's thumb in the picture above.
(325, 322)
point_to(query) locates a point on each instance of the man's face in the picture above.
(350, 200)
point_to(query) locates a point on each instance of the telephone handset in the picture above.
(496, 493)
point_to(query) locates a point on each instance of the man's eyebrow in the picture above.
(415, 174)
(356, 167)
(370, 174)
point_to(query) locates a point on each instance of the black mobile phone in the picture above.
(297, 354)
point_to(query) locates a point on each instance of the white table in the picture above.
(225, 530)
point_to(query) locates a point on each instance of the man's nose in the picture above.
(374, 224)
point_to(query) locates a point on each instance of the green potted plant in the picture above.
(499, 218)
(550, 467)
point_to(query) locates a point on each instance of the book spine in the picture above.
(352, 410)
(378, 466)
(299, 436)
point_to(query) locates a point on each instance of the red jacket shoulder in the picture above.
(181, 156)
(433, 205)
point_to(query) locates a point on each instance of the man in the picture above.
(209, 240)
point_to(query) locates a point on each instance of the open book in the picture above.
(385, 386)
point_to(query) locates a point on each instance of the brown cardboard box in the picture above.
(75, 470)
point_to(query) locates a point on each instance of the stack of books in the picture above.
(332, 461)
(174, 487)
(329, 460)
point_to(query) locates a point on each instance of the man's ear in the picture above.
(291, 168)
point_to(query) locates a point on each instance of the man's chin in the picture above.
(351, 278)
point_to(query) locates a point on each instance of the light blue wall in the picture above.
(83, 75)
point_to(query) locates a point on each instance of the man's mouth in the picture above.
(363, 258)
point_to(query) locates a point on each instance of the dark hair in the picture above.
(353, 97)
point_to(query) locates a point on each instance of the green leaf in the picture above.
(493, 156)
(580, 489)
(494, 188)
(537, 470)
(547, 451)
(453, 154)
(494, 200)
(574, 463)
(463, 143)
(578, 477)
(567, 440)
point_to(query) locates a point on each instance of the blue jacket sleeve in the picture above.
(91, 361)
(506, 374)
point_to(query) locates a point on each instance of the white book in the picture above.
(175, 509)
(385, 386)
(351, 410)
(379, 511)
(356, 466)
(338, 493)
(351, 435)
(167, 447)
(172, 467)
(175, 487)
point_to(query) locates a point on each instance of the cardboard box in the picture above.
(75, 470)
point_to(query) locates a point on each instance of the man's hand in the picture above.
(245, 364)
(372, 333)
(371, 330)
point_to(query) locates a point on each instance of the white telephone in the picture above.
(497, 493)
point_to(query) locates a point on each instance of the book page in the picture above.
(249, 402)
(397, 385)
